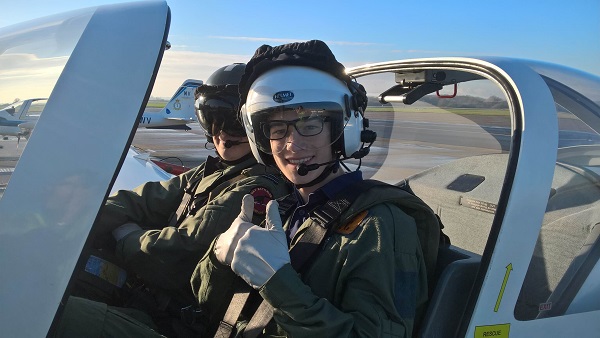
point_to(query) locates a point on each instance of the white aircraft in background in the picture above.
(19, 118)
(177, 113)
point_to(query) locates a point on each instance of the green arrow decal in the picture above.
(508, 270)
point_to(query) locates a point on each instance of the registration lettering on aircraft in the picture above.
(495, 331)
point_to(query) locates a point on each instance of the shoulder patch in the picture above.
(348, 228)
(262, 196)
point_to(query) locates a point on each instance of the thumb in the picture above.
(273, 218)
(247, 210)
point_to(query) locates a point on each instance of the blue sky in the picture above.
(224, 31)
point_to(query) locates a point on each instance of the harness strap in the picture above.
(185, 201)
(211, 165)
(330, 211)
(259, 320)
(233, 312)
(304, 249)
(286, 204)
(190, 202)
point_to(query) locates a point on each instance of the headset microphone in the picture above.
(229, 143)
(303, 169)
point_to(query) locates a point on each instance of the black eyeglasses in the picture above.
(308, 126)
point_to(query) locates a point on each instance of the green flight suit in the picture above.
(165, 256)
(370, 281)
(85, 318)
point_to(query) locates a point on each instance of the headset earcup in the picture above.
(359, 96)
(352, 132)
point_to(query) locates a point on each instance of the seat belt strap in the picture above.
(259, 320)
(185, 201)
(233, 312)
(191, 203)
(303, 250)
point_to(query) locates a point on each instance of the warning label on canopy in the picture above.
(492, 331)
(478, 205)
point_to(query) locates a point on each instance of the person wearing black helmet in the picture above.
(217, 102)
(160, 229)
(340, 256)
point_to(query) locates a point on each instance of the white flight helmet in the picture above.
(301, 88)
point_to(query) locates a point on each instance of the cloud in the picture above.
(26, 75)
(288, 40)
(178, 66)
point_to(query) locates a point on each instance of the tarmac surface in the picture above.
(404, 146)
(10, 151)
(186, 148)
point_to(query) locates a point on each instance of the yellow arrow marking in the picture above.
(508, 270)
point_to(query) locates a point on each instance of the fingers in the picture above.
(273, 218)
(228, 240)
(261, 252)
(247, 210)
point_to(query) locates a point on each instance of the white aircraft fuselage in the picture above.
(16, 118)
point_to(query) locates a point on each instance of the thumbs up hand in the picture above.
(228, 240)
(262, 251)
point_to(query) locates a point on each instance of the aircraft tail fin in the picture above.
(181, 105)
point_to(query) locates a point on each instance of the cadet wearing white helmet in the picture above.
(351, 257)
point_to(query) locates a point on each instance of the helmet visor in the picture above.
(306, 119)
(218, 113)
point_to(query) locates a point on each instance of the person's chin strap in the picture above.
(229, 143)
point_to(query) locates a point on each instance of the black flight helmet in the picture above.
(217, 102)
